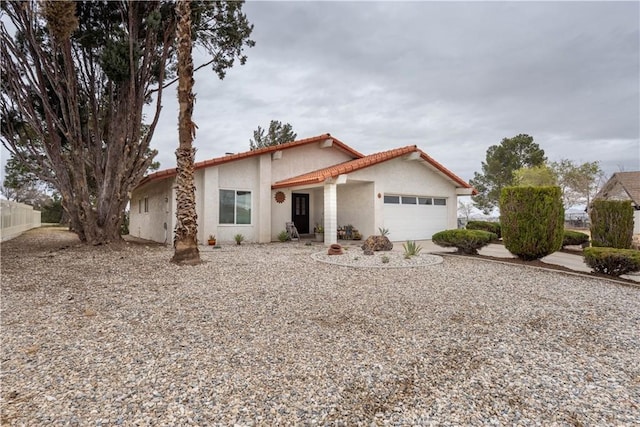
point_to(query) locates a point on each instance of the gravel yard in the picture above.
(268, 335)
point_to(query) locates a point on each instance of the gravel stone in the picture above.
(269, 335)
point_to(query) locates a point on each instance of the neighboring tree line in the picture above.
(75, 79)
(519, 161)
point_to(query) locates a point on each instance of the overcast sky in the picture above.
(451, 77)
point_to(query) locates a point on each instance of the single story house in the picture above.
(624, 186)
(310, 182)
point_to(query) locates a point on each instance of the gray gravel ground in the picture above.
(267, 335)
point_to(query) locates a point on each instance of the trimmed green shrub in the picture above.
(532, 221)
(467, 241)
(283, 236)
(612, 261)
(574, 238)
(492, 227)
(611, 223)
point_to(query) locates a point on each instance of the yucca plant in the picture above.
(383, 231)
(411, 248)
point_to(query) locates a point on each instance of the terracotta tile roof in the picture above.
(334, 171)
(167, 173)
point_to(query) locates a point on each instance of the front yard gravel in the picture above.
(267, 335)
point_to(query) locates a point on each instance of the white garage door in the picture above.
(414, 217)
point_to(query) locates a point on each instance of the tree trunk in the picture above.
(186, 232)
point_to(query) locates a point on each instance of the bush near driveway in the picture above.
(532, 221)
(612, 261)
(492, 227)
(612, 223)
(574, 238)
(467, 241)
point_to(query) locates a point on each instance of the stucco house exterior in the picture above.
(624, 186)
(318, 180)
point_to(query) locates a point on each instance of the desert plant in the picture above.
(466, 241)
(383, 231)
(492, 227)
(239, 238)
(612, 261)
(385, 259)
(532, 221)
(574, 238)
(612, 223)
(283, 236)
(411, 248)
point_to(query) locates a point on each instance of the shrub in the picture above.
(283, 236)
(411, 249)
(612, 261)
(467, 241)
(492, 227)
(239, 238)
(574, 238)
(532, 221)
(612, 223)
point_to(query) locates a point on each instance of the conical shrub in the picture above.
(532, 221)
(612, 223)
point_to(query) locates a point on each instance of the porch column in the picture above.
(330, 213)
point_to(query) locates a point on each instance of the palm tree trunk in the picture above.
(185, 240)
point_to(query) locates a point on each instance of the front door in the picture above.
(300, 212)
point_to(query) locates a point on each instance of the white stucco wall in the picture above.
(239, 175)
(151, 225)
(356, 203)
(306, 158)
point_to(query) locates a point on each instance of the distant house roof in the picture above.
(628, 181)
(334, 171)
(167, 173)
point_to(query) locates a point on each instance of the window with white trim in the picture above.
(440, 202)
(235, 207)
(408, 200)
(394, 200)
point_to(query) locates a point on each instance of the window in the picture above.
(425, 201)
(139, 205)
(146, 204)
(395, 200)
(440, 202)
(408, 200)
(235, 207)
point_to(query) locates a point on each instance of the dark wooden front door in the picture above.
(300, 212)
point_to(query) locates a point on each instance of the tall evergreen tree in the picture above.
(76, 77)
(499, 167)
(277, 134)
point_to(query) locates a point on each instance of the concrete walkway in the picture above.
(563, 259)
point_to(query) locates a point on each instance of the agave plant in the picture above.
(411, 248)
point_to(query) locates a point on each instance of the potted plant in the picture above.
(319, 231)
(211, 240)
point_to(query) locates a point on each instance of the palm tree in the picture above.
(185, 240)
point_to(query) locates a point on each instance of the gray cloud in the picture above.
(452, 77)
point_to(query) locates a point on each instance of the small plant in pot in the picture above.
(211, 240)
(319, 231)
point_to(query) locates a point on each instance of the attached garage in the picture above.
(411, 217)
